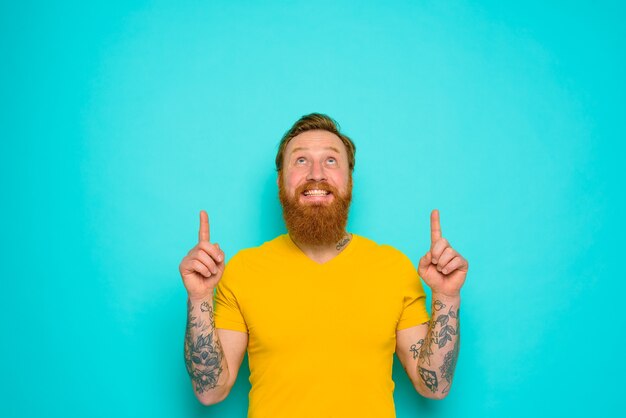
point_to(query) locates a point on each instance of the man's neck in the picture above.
(324, 253)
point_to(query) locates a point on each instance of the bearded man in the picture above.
(320, 310)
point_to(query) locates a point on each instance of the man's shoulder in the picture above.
(380, 249)
(385, 257)
(269, 249)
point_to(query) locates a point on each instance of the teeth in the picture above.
(315, 192)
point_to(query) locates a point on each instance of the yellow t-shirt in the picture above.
(321, 336)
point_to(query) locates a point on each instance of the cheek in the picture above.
(291, 182)
(341, 182)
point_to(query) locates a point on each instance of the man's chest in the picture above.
(287, 310)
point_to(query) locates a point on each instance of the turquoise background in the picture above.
(121, 120)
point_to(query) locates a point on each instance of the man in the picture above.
(320, 310)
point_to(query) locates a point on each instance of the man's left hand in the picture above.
(442, 267)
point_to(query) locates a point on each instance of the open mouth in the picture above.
(317, 195)
(316, 192)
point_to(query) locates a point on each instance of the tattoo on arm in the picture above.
(449, 363)
(426, 349)
(429, 378)
(440, 332)
(203, 353)
(442, 328)
(415, 348)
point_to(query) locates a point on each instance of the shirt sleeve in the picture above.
(228, 314)
(413, 297)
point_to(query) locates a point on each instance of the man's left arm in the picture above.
(429, 352)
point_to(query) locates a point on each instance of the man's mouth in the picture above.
(316, 192)
(317, 195)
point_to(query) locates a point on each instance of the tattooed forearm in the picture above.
(426, 348)
(441, 330)
(415, 348)
(449, 363)
(429, 378)
(439, 350)
(203, 352)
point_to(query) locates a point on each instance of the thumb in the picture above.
(425, 261)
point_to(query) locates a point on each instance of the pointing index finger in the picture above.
(435, 226)
(204, 234)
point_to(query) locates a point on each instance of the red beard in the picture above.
(316, 224)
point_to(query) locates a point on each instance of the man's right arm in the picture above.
(212, 356)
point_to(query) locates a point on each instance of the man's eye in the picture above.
(300, 160)
(331, 160)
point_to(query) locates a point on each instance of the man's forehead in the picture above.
(316, 139)
(298, 149)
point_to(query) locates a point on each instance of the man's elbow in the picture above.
(212, 397)
(438, 396)
(428, 393)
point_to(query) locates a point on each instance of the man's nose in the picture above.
(316, 173)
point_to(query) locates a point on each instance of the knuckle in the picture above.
(200, 267)
(183, 265)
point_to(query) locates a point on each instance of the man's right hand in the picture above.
(203, 266)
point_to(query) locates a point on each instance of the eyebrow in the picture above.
(305, 149)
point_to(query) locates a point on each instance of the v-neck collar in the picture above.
(297, 252)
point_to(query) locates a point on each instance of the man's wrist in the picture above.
(201, 298)
(447, 299)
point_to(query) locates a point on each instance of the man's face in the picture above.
(315, 156)
(315, 187)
